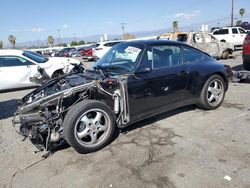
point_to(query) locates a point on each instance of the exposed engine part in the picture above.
(55, 136)
(116, 98)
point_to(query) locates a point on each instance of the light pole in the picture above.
(59, 36)
(232, 14)
(123, 28)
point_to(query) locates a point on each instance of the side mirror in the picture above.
(143, 71)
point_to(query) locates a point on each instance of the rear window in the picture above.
(110, 44)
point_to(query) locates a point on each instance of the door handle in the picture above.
(183, 73)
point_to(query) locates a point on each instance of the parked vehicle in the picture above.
(19, 69)
(103, 48)
(246, 26)
(202, 41)
(246, 52)
(87, 53)
(64, 52)
(233, 35)
(133, 81)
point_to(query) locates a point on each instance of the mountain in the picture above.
(90, 38)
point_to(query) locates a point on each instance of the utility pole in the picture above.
(59, 36)
(123, 28)
(232, 14)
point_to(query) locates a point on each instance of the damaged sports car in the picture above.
(133, 81)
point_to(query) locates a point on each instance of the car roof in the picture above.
(157, 42)
(11, 52)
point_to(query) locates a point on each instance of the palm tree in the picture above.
(12, 40)
(51, 40)
(1, 44)
(175, 26)
(242, 12)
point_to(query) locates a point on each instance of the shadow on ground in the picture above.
(140, 124)
(156, 118)
(7, 108)
(238, 68)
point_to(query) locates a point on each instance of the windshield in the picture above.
(122, 57)
(35, 57)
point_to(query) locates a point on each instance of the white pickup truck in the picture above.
(233, 35)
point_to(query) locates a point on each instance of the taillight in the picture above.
(247, 41)
(228, 69)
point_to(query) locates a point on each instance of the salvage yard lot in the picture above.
(186, 147)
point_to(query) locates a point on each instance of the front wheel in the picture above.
(89, 126)
(213, 93)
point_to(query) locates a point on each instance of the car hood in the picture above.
(60, 84)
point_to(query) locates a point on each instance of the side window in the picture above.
(242, 31)
(192, 55)
(197, 38)
(13, 61)
(235, 31)
(165, 56)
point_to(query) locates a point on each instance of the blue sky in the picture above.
(34, 20)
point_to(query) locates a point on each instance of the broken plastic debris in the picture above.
(228, 178)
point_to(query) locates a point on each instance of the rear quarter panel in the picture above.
(199, 74)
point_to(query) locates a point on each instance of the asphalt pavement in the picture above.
(187, 147)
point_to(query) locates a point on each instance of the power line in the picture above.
(123, 28)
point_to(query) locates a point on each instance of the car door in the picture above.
(162, 88)
(235, 36)
(242, 34)
(15, 72)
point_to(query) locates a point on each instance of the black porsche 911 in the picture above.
(133, 81)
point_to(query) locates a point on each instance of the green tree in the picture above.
(63, 45)
(242, 12)
(175, 26)
(50, 40)
(238, 23)
(82, 42)
(1, 44)
(12, 40)
(73, 43)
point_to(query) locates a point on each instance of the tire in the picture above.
(212, 96)
(246, 65)
(89, 126)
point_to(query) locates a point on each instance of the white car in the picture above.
(19, 69)
(103, 48)
(233, 35)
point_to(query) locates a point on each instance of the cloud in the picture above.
(188, 16)
(33, 30)
(65, 26)
(37, 29)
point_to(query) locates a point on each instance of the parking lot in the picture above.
(187, 147)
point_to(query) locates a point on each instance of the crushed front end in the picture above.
(41, 113)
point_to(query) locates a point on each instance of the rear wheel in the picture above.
(213, 93)
(89, 126)
(246, 65)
